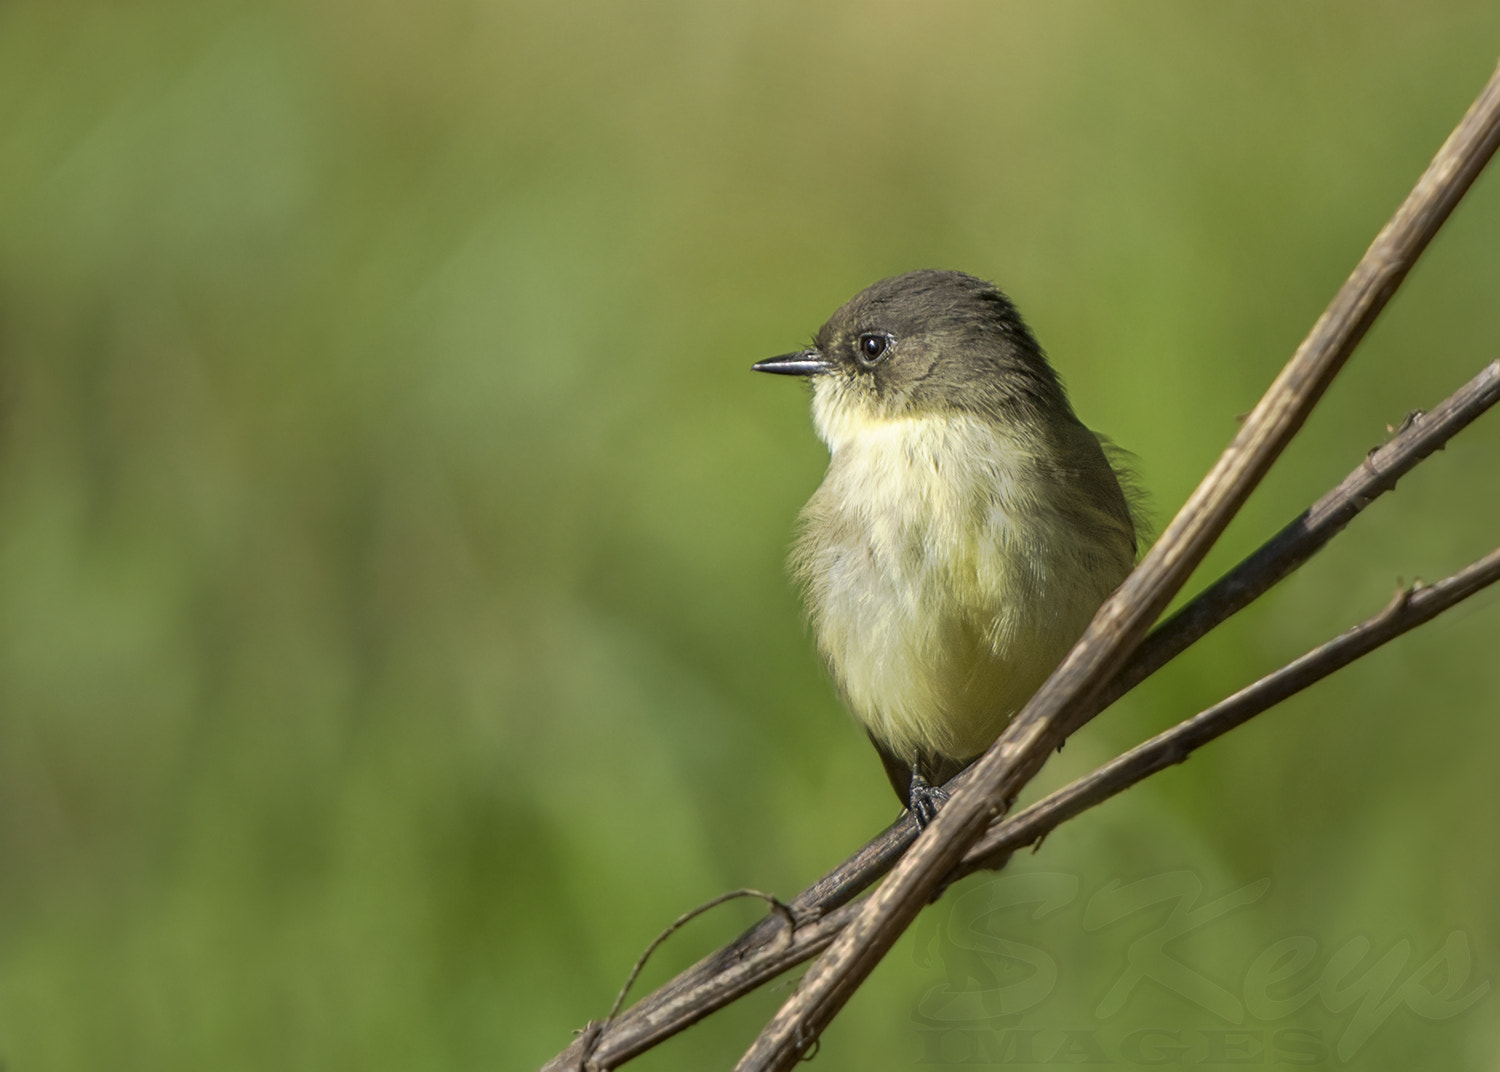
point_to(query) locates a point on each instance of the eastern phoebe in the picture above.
(968, 527)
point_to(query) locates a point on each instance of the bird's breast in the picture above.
(923, 559)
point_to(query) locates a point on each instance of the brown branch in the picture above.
(1123, 620)
(727, 974)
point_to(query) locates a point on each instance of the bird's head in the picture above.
(922, 344)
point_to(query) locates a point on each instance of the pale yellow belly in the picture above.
(943, 584)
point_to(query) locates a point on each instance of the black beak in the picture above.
(802, 363)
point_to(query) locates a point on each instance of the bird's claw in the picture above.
(924, 800)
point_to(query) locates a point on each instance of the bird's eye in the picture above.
(872, 347)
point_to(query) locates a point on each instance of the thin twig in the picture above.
(1420, 436)
(1409, 609)
(590, 1035)
(1123, 620)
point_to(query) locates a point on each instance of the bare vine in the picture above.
(972, 831)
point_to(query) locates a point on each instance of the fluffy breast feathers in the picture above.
(948, 565)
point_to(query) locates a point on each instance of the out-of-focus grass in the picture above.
(393, 633)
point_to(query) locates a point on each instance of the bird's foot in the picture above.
(924, 799)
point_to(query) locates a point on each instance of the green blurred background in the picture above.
(395, 634)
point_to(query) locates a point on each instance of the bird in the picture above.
(967, 528)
